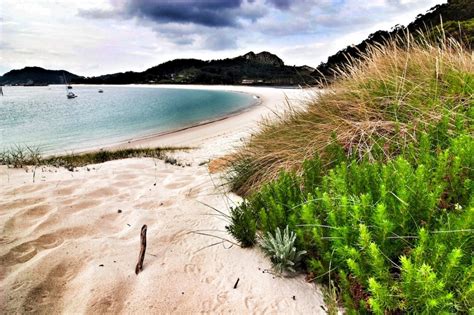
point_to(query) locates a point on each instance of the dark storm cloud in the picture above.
(212, 13)
(221, 24)
(209, 13)
(280, 4)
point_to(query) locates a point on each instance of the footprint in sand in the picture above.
(45, 298)
(27, 218)
(192, 269)
(214, 304)
(25, 251)
(250, 303)
(222, 297)
(113, 303)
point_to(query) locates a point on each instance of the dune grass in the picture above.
(374, 111)
(376, 180)
(19, 156)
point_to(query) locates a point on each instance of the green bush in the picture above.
(398, 233)
(378, 179)
(243, 226)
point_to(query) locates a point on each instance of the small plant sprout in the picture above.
(281, 250)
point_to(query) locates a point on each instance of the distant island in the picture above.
(30, 76)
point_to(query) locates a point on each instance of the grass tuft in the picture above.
(19, 156)
(376, 180)
(375, 111)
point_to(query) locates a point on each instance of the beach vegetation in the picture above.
(20, 156)
(171, 160)
(377, 110)
(375, 178)
(281, 250)
(242, 225)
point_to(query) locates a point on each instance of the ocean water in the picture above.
(42, 117)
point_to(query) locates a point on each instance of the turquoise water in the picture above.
(43, 117)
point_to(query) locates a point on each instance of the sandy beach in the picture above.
(70, 240)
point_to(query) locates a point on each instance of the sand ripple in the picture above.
(69, 244)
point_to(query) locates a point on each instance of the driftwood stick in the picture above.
(141, 257)
(236, 283)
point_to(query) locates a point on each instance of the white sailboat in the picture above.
(69, 94)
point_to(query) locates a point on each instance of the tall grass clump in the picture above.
(376, 181)
(376, 110)
(19, 156)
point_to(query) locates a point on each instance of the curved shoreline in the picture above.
(239, 122)
(130, 141)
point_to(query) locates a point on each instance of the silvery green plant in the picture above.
(281, 250)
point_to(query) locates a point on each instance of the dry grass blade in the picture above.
(380, 104)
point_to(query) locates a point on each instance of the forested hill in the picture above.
(457, 17)
(36, 76)
(254, 69)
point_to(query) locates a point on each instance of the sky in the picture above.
(94, 37)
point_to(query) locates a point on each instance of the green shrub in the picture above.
(281, 250)
(243, 226)
(399, 233)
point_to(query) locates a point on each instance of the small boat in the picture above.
(101, 91)
(71, 95)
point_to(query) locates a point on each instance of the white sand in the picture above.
(65, 248)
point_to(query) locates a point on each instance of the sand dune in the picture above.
(70, 242)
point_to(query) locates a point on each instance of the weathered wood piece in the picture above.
(236, 283)
(141, 257)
